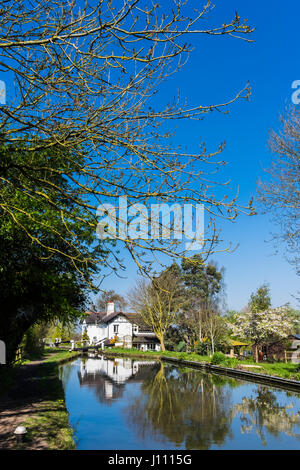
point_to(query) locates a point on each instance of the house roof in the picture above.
(137, 320)
(238, 343)
(108, 317)
(94, 317)
(102, 317)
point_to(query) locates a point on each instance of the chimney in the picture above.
(110, 308)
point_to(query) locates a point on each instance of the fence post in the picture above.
(2, 352)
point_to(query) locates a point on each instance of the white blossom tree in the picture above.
(266, 326)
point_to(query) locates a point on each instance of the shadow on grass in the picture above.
(35, 392)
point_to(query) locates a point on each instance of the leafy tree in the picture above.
(295, 316)
(63, 330)
(203, 289)
(38, 286)
(31, 344)
(261, 299)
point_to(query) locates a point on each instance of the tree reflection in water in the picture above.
(187, 407)
(164, 405)
(263, 413)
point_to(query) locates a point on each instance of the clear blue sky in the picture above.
(216, 70)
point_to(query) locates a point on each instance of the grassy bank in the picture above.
(37, 401)
(281, 369)
(156, 354)
(278, 369)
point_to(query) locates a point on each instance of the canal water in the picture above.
(123, 403)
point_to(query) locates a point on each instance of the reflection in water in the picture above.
(148, 404)
(108, 377)
(188, 407)
(263, 413)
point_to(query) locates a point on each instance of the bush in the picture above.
(201, 348)
(231, 362)
(218, 358)
(180, 347)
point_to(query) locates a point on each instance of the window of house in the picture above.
(151, 346)
(135, 328)
(116, 329)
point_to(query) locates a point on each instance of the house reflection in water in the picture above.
(108, 377)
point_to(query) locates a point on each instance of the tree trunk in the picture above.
(162, 343)
(256, 353)
(212, 345)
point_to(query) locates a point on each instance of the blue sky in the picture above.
(216, 70)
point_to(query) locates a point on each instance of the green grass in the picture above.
(50, 423)
(281, 369)
(158, 354)
(59, 352)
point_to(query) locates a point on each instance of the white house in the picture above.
(127, 329)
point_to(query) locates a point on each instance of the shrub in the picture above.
(201, 348)
(230, 362)
(180, 347)
(218, 358)
(85, 336)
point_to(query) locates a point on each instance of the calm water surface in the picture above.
(133, 404)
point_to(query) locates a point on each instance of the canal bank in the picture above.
(258, 377)
(35, 400)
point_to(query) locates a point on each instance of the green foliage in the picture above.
(63, 330)
(201, 347)
(44, 275)
(180, 346)
(231, 362)
(260, 300)
(173, 338)
(203, 287)
(218, 358)
(32, 345)
(85, 336)
(204, 280)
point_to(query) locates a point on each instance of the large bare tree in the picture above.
(81, 77)
(280, 195)
(158, 302)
